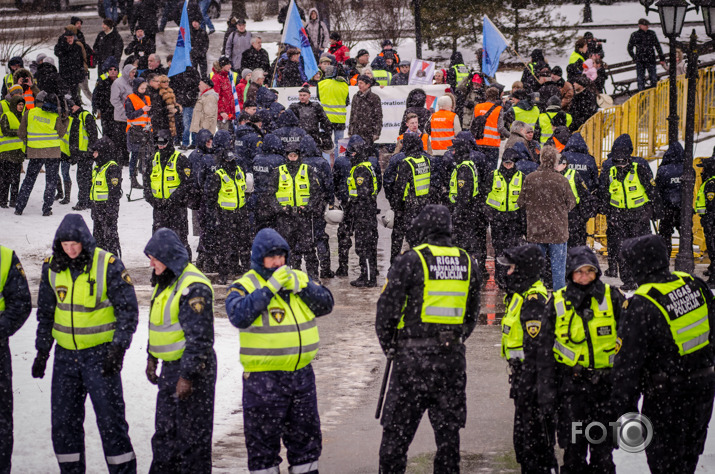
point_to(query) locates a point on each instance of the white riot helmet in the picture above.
(333, 216)
(388, 220)
(249, 182)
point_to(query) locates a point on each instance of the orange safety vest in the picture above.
(143, 120)
(397, 58)
(442, 123)
(29, 99)
(353, 80)
(558, 145)
(491, 129)
(425, 141)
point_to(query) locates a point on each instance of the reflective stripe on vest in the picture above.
(571, 345)
(105, 76)
(700, 203)
(512, 337)
(382, 77)
(333, 95)
(504, 195)
(143, 120)
(685, 310)
(100, 187)
(547, 129)
(629, 193)
(447, 272)
(5, 263)
(166, 336)
(84, 316)
(454, 184)
(164, 180)
(492, 137)
(442, 129)
(575, 57)
(570, 174)
(421, 172)
(41, 131)
(285, 335)
(293, 191)
(29, 99)
(82, 135)
(460, 72)
(11, 143)
(232, 194)
(65, 140)
(352, 188)
(529, 117)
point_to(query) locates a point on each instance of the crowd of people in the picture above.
(263, 181)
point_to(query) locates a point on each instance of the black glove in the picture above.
(151, 365)
(112, 364)
(38, 367)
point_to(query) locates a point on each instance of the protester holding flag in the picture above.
(199, 47)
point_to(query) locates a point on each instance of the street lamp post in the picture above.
(672, 17)
(587, 13)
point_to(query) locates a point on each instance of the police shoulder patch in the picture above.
(20, 269)
(127, 278)
(533, 327)
(533, 296)
(115, 181)
(360, 181)
(258, 144)
(197, 304)
(187, 171)
(711, 196)
(112, 259)
(278, 314)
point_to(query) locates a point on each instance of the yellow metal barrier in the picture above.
(644, 118)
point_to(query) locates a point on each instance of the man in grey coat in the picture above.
(121, 88)
(236, 43)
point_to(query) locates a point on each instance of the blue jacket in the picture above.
(198, 328)
(201, 158)
(119, 291)
(522, 159)
(667, 178)
(341, 173)
(269, 158)
(311, 156)
(243, 308)
(289, 131)
(247, 141)
(580, 159)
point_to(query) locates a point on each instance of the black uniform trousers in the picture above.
(227, 243)
(469, 232)
(432, 381)
(624, 224)
(345, 233)
(668, 224)
(321, 243)
(708, 224)
(117, 132)
(105, 231)
(183, 428)
(9, 182)
(365, 226)
(297, 230)
(85, 165)
(584, 399)
(399, 231)
(680, 413)
(6, 401)
(577, 229)
(534, 451)
(176, 218)
(506, 233)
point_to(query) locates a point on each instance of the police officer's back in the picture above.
(667, 183)
(428, 308)
(705, 208)
(667, 355)
(105, 195)
(269, 158)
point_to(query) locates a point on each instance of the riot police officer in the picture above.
(105, 194)
(525, 301)
(181, 335)
(705, 207)
(269, 158)
(15, 307)
(667, 183)
(578, 347)
(428, 308)
(585, 203)
(667, 355)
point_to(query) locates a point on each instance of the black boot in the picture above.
(362, 280)
(342, 270)
(135, 183)
(611, 272)
(68, 193)
(60, 194)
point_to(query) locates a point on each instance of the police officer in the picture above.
(201, 159)
(87, 304)
(333, 94)
(505, 218)
(523, 110)
(248, 138)
(228, 240)
(578, 347)
(466, 192)
(627, 189)
(105, 194)
(181, 334)
(411, 190)
(428, 308)
(296, 200)
(288, 129)
(667, 183)
(275, 308)
(525, 300)
(169, 187)
(667, 355)
(269, 158)
(362, 209)
(586, 204)
(15, 307)
(81, 135)
(580, 160)
(705, 207)
(552, 117)
(311, 156)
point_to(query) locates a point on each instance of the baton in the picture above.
(385, 378)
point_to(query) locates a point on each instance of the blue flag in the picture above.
(294, 35)
(182, 52)
(493, 44)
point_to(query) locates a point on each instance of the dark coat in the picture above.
(291, 75)
(667, 179)
(254, 59)
(145, 17)
(186, 87)
(311, 156)
(643, 46)
(580, 159)
(312, 118)
(366, 116)
(141, 49)
(583, 107)
(107, 45)
(199, 45)
(50, 81)
(415, 103)
(71, 61)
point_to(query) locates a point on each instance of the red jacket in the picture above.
(240, 90)
(222, 85)
(340, 51)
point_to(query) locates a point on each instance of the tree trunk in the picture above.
(323, 8)
(272, 7)
(238, 9)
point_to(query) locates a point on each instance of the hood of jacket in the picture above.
(201, 138)
(287, 119)
(580, 256)
(522, 152)
(432, 225)
(548, 158)
(537, 56)
(462, 145)
(125, 73)
(265, 97)
(412, 144)
(111, 61)
(528, 260)
(222, 140)
(46, 68)
(308, 148)
(73, 228)
(272, 145)
(357, 150)
(622, 146)
(166, 247)
(646, 255)
(267, 240)
(317, 15)
(524, 104)
(675, 155)
(455, 59)
(105, 149)
(135, 86)
(580, 295)
(20, 73)
(576, 144)
(416, 98)
(14, 100)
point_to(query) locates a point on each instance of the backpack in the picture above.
(478, 123)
